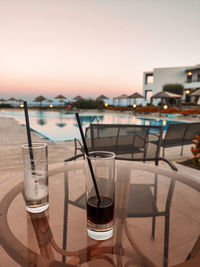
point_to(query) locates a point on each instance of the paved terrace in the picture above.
(13, 135)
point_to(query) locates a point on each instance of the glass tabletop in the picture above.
(58, 236)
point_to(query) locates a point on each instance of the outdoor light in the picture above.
(165, 107)
(21, 106)
(189, 73)
(164, 123)
(187, 92)
(106, 105)
(134, 105)
(51, 106)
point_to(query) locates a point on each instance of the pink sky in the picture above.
(92, 47)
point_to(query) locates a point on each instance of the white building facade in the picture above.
(188, 76)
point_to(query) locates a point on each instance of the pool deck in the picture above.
(13, 135)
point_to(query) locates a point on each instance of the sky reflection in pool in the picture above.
(58, 126)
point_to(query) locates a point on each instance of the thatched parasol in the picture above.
(2, 100)
(12, 99)
(77, 98)
(101, 97)
(61, 98)
(20, 100)
(40, 99)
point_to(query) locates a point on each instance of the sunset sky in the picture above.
(92, 47)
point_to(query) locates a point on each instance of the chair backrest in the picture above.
(175, 134)
(191, 130)
(137, 142)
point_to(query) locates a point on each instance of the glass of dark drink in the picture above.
(100, 213)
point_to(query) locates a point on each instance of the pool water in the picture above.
(58, 126)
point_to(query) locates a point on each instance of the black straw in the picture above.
(88, 159)
(29, 135)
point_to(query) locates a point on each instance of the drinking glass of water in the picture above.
(35, 159)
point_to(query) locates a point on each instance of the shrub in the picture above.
(174, 88)
(196, 151)
(170, 110)
(147, 109)
(190, 111)
(89, 104)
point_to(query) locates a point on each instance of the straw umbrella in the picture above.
(61, 98)
(2, 100)
(12, 99)
(101, 97)
(135, 96)
(78, 98)
(40, 99)
(19, 100)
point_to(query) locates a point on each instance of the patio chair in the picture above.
(142, 203)
(191, 130)
(180, 134)
(174, 136)
(134, 143)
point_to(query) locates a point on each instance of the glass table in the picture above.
(58, 236)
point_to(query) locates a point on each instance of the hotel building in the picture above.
(188, 76)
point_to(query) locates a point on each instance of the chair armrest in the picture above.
(169, 163)
(74, 157)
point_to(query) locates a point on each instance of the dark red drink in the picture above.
(102, 214)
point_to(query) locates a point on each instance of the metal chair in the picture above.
(134, 143)
(180, 134)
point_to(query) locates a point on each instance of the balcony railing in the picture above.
(192, 81)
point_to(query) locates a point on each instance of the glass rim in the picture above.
(111, 155)
(34, 145)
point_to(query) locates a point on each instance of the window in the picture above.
(189, 77)
(149, 79)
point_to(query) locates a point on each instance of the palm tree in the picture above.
(40, 99)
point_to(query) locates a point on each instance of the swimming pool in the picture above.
(58, 126)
